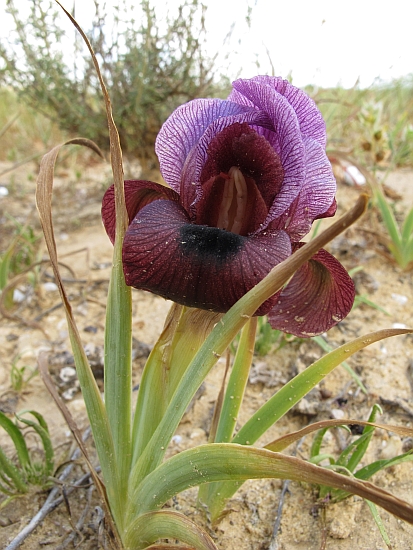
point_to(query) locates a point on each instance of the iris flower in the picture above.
(246, 178)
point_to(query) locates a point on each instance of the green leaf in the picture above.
(150, 527)
(379, 523)
(237, 383)
(42, 430)
(388, 219)
(407, 229)
(184, 332)
(317, 442)
(96, 409)
(326, 347)
(5, 265)
(352, 455)
(13, 474)
(235, 392)
(118, 365)
(227, 461)
(18, 440)
(288, 396)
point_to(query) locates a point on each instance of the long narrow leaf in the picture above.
(227, 461)
(18, 440)
(283, 442)
(351, 456)
(379, 523)
(300, 385)
(237, 383)
(46, 441)
(326, 347)
(118, 332)
(407, 229)
(91, 393)
(10, 471)
(388, 218)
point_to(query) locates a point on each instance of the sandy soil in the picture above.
(385, 368)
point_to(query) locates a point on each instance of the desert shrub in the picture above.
(151, 66)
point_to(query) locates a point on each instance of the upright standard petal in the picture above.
(316, 198)
(182, 131)
(309, 117)
(197, 265)
(319, 296)
(291, 147)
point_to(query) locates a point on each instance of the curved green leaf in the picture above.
(17, 438)
(226, 461)
(150, 527)
(288, 396)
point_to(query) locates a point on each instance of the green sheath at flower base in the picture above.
(184, 332)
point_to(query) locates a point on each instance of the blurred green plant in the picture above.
(30, 468)
(373, 125)
(399, 238)
(152, 64)
(17, 259)
(20, 376)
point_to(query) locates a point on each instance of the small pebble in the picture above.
(18, 296)
(67, 374)
(337, 414)
(399, 325)
(400, 299)
(50, 287)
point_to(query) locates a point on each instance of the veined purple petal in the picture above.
(196, 265)
(320, 295)
(138, 193)
(316, 197)
(183, 129)
(309, 117)
(191, 190)
(286, 127)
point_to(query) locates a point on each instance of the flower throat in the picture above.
(234, 201)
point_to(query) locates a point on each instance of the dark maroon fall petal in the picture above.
(196, 265)
(319, 296)
(138, 193)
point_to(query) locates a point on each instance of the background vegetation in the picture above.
(152, 63)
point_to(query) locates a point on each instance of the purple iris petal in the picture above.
(309, 117)
(183, 130)
(194, 165)
(316, 196)
(320, 294)
(197, 265)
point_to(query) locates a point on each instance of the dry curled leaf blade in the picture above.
(94, 403)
